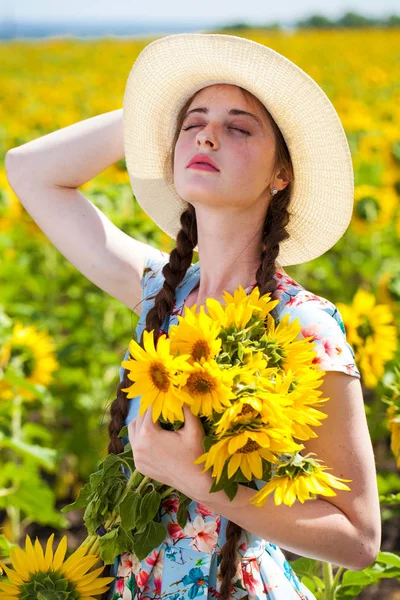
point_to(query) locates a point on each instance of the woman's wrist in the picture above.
(73, 155)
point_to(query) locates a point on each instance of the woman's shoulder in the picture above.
(320, 318)
(295, 299)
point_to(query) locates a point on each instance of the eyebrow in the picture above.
(233, 111)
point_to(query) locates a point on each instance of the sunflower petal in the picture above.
(60, 553)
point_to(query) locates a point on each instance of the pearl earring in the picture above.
(274, 191)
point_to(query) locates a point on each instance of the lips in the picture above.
(202, 159)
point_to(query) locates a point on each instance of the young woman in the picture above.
(235, 152)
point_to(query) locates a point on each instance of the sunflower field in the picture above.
(62, 339)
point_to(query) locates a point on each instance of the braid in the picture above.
(179, 261)
(174, 271)
(276, 219)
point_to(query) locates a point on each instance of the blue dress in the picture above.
(186, 564)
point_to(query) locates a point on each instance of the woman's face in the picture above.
(242, 147)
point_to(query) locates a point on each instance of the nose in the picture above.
(207, 137)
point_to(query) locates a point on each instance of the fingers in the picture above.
(190, 418)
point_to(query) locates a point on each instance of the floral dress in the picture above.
(186, 564)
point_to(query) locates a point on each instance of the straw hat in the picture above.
(170, 69)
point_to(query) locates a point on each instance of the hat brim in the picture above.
(170, 69)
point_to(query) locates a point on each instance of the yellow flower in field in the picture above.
(245, 451)
(372, 359)
(33, 353)
(156, 373)
(388, 291)
(208, 388)
(300, 479)
(393, 424)
(369, 330)
(373, 147)
(373, 208)
(196, 335)
(38, 574)
(240, 308)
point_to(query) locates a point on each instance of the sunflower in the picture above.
(196, 335)
(374, 208)
(156, 373)
(259, 407)
(372, 334)
(209, 388)
(285, 347)
(33, 352)
(246, 450)
(240, 308)
(388, 288)
(300, 478)
(38, 574)
(302, 398)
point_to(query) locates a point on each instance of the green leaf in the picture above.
(31, 494)
(389, 558)
(81, 501)
(149, 506)
(130, 510)
(360, 578)
(123, 432)
(45, 457)
(305, 566)
(231, 490)
(208, 441)
(109, 546)
(5, 546)
(153, 535)
(182, 514)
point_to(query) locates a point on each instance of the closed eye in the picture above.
(236, 128)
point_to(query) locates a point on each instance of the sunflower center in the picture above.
(200, 382)
(365, 329)
(200, 350)
(22, 356)
(250, 446)
(368, 209)
(49, 585)
(247, 409)
(159, 376)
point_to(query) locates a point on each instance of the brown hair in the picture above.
(274, 232)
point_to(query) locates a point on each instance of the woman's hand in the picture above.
(167, 456)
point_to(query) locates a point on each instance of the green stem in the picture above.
(142, 484)
(92, 541)
(328, 580)
(336, 580)
(167, 492)
(16, 430)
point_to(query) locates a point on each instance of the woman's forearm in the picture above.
(315, 529)
(73, 155)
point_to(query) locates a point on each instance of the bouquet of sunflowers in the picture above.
(255, 388)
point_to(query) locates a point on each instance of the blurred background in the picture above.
(62, 339)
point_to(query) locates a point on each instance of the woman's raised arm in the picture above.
(44, 175)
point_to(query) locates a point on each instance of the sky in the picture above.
(213, 11)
